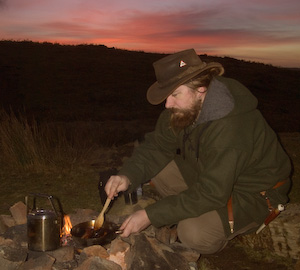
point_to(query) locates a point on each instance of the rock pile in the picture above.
(152, 249)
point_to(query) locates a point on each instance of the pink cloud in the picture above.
(240, 26)
(186, 27)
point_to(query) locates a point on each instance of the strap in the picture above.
(230, 214)
(279, 184)
(230, 210)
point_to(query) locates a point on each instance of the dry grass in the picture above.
(60, 159)
(42, 159)
(18, 145)
(38, 148)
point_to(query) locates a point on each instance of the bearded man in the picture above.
(212, 156)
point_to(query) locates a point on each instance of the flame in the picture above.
(66, 230)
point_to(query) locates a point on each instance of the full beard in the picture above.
(182, 118)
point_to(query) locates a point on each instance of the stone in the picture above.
(119, 251)
(139, 251)
(3, 227)
(167, 235)
(95, 250)
(98, 263)
(13, 253)
(18, 234)
(7, 220)
(189, 254)
(9, 265)
(64, 265)
(63, 254)
(6, 242)
(19, 212)
(43, 262)
(148, 253)
(91, 251)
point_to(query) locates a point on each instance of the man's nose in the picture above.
(169, 102)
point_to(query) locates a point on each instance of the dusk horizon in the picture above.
(261, 31)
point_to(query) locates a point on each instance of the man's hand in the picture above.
(136, 222)
(115, 184)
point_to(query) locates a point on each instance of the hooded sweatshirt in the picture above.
(230, 151)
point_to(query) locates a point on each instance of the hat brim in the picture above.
(157, 94)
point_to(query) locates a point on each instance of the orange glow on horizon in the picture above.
(266, 31)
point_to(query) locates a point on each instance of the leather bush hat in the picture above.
(175, 70)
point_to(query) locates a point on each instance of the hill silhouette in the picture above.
(93, 82)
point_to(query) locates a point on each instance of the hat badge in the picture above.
(182, 64)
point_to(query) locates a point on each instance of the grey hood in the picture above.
(220, 102)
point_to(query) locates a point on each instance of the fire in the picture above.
(66, 230)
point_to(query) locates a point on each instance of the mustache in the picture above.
(176, 111)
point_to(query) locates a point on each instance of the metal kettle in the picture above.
(44, 226)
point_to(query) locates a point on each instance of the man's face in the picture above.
(185, 105)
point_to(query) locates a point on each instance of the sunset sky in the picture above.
(266, 31)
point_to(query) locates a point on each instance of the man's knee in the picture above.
(202, 234)
(169, 181)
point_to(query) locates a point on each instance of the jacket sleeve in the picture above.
(153, 154)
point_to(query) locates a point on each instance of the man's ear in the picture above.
(201, 90)
(201, 93)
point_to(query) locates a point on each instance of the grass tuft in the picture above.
(39, 147)
(56, 158)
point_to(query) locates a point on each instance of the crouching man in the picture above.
(212, 156)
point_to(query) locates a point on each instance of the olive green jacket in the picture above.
(231, 150)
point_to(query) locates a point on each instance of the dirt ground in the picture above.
(237, 257)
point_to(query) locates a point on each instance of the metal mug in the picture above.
(43, 225)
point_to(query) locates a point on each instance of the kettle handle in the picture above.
(49, 197)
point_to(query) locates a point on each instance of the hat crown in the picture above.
(175, 70)
(175, 66)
